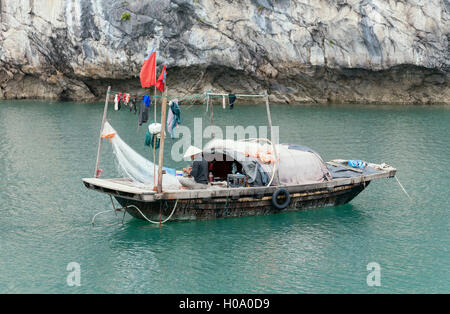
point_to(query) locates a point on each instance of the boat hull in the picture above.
(224, 207)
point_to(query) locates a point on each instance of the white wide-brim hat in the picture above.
(191, 151)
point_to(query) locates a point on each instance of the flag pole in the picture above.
(161, 149)
(154, 143)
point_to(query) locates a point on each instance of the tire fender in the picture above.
(275, 200)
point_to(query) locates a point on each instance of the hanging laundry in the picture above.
(231, 99)
(127, 101)
(153, 135)
(120, 100)
(146, 100)
(174, 116)
(152, 140)
(116, 102)
(170, 121)
(133, 101)
(143, 114)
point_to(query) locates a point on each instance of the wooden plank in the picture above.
(146, 194)
(114, 185)
(241, 192)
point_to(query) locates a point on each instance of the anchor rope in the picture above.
(155, 222)
(102, 212)
(402, 187)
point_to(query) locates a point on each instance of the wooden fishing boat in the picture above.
(299, 179)
(224, 202)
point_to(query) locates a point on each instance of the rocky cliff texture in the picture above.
(370, 51)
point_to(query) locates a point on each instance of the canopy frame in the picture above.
(209, 106)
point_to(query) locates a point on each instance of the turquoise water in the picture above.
(46, 148)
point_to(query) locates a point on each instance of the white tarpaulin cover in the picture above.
(300, 166)
(297, 164)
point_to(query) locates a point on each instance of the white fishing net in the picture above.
(134, 166)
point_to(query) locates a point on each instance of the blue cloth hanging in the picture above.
(147, 100)
(231, 99)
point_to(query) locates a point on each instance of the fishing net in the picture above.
(132, 165)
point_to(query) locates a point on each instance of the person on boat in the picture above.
(198, 172)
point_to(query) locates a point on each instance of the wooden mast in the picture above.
(154, 144)
(105, 110)
(154, 121)
(211, 120)
(161, 148)
(269, 118)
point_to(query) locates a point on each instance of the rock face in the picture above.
(369, 51)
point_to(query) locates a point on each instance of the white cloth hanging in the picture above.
(116, 102)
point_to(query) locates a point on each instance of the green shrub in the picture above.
(125, 16)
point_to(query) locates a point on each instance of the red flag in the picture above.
(148, 75)
(161, 80)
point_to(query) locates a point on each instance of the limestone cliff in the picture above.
(370, 51)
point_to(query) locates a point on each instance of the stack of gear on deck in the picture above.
(296, 164)
(132, 165)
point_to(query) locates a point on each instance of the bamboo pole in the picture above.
(211, 121)
(161, 148)
(239, 95)
(154, 144)
(105, 110)
(269, 118)
(154, 120)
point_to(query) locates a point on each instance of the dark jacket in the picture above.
(200, 171)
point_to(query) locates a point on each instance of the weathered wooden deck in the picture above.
(230, 202)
